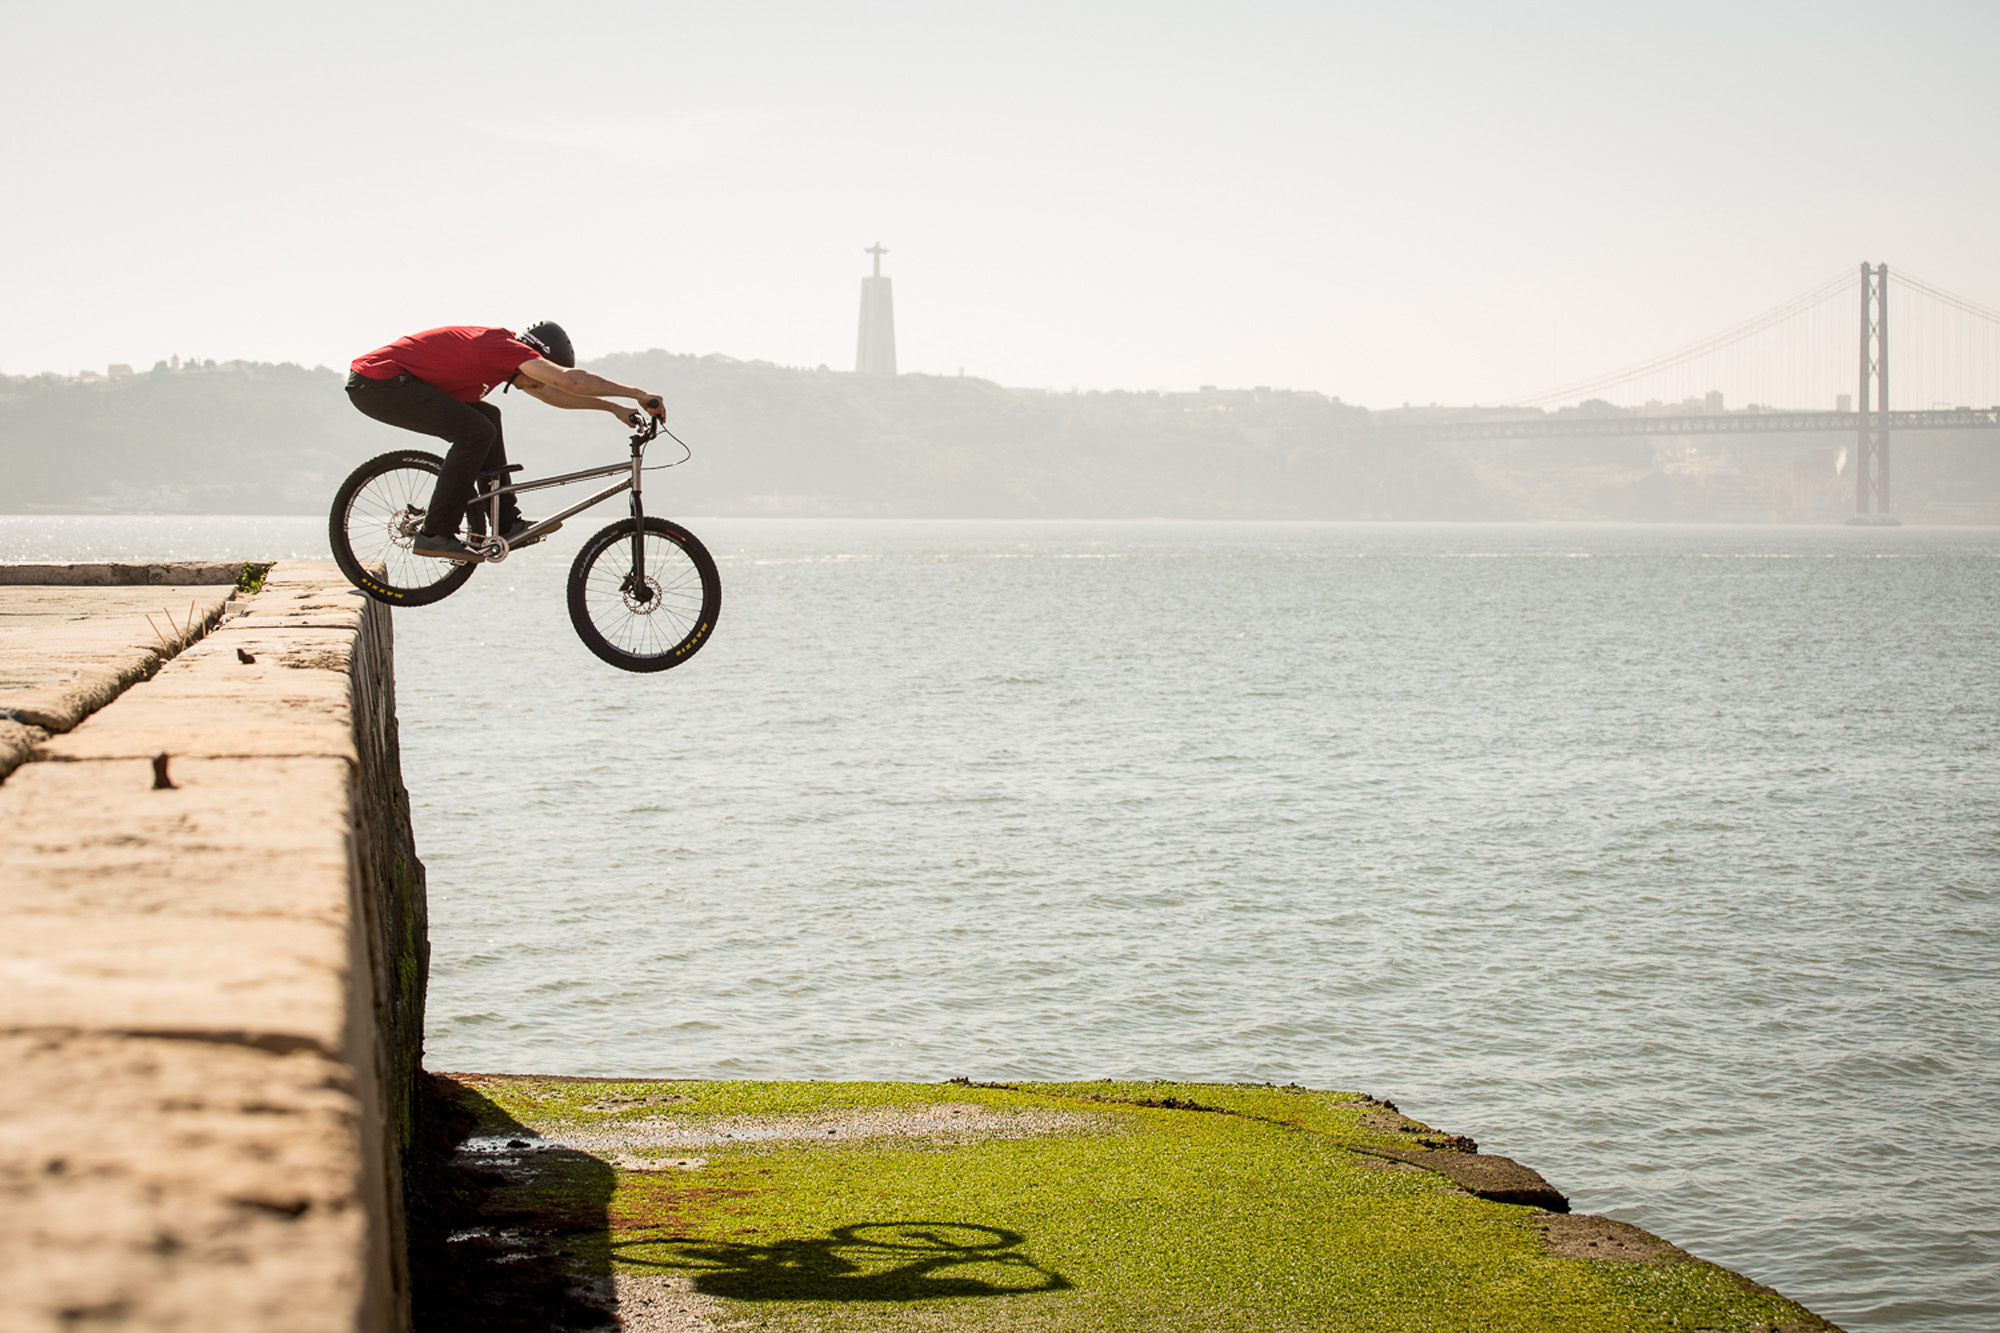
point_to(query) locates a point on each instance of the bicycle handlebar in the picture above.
(651, 430)
(648, 432)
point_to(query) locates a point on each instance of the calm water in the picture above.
(1665, 860)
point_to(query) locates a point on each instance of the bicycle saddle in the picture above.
(500, 471)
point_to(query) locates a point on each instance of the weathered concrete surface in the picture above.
(211, 994)
(151, 1183)
(64, 655)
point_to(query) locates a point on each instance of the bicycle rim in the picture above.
(380, 523)
(649, 626)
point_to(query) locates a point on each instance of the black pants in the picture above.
(473, 430)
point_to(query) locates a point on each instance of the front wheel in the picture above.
(377, 513)
(650, 623)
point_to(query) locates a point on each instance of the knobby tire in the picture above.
(370, 510)
(655, 628)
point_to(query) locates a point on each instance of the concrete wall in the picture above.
(211, 993)
(103, 574)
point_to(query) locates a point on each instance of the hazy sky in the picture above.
(1388, 202)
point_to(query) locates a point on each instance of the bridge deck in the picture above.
(1727, 423)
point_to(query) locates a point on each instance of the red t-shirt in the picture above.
(465, 361)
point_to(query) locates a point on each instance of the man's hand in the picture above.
(651, 402)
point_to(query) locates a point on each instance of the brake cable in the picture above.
(686, 453)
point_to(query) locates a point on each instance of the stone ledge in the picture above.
(221, 978)
(106, 574)
(238, 837)
(65, 653)
(277, 982)
(138, 1187)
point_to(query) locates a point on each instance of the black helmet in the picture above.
(549, 339)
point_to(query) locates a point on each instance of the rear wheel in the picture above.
(646, 624)
(377, 513)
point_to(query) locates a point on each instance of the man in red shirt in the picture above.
(433, 383)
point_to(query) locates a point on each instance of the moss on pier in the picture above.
(1113, 1206)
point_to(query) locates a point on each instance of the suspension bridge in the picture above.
(1819, 363)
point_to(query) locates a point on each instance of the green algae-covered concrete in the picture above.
(1084, 1206)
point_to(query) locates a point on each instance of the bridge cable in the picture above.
(1819, 295)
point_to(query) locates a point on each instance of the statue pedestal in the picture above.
(875, 349)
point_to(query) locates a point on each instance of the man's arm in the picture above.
(584, 384)
(575, 401)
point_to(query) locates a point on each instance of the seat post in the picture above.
(486, 486)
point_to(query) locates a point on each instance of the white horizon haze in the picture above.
(1441, 201)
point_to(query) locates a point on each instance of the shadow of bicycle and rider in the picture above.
(509, 1231)
(863, 1261)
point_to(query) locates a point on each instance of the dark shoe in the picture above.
(443, 548)
(517, 525)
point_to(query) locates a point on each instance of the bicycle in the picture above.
(643, 593)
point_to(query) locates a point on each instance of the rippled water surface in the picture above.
(1664, 860)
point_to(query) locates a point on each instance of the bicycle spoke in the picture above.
(656, 624)
(381, 520)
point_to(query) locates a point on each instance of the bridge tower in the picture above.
(1871, 455)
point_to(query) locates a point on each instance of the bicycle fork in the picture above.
(636, 586)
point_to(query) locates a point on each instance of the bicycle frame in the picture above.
(493, 548)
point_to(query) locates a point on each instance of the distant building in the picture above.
(1685, 459)
(1713, 403)
(875, 349)
(117, 370)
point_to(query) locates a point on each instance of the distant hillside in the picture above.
(251, 438)
(248, 439)
(774, 440)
